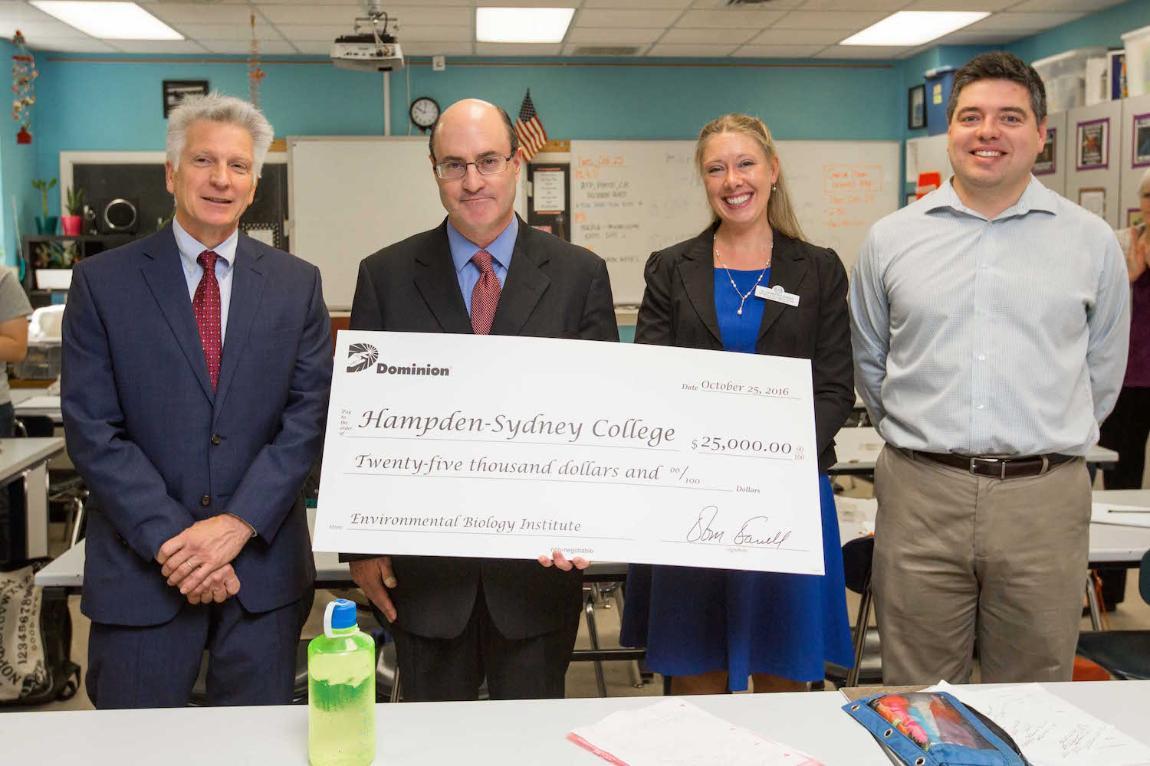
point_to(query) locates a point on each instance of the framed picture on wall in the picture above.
(1093, 144)
(176, 91)
(1141, 140)
(1133, 217)
(1046, 162)
(916, 107)
(1094, 200)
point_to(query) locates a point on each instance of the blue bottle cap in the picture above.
(342, 614)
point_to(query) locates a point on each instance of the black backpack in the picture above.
(35, 640)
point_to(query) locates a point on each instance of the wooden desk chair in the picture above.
(1124, 653)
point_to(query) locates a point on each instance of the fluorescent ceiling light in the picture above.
(522, 25)
(109, 21)
(914, 27)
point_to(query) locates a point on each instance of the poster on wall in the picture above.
(1045, 164)
(1141, 135)
(1093, 144)
(1093, 200)
(176, 91)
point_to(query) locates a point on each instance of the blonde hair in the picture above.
(780, 212)
(1144, 183)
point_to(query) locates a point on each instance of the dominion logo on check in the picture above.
(362, 356)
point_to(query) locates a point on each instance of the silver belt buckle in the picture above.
(975, 461)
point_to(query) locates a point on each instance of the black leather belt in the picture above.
(996, 467)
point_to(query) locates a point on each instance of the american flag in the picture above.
(529, 128)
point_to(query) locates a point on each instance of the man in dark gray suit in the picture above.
(459, 620)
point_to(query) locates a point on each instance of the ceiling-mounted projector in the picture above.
(371, 47)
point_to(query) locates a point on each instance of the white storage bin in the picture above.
(1064, 76)
(1137, 44)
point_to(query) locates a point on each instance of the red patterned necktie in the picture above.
(485, 294)
(206, 306)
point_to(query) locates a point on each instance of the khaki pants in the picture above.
(959, 557)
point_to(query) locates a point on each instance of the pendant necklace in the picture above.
(743, 296)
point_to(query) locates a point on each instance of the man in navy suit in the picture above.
(196, 369)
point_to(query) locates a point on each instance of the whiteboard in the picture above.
(350, 196)
(630, 198)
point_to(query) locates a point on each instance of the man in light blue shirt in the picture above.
(990, 322)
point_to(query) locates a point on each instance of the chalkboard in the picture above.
(630, 198)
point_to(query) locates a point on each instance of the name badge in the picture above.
(777, 294)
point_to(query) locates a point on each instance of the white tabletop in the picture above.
(37, 401)
(17, 455)
(857, 450)
(473, 733)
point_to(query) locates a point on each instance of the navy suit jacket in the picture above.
(553, 290)
(159, 450)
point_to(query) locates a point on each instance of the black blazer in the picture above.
(679, 310)
(553, 290)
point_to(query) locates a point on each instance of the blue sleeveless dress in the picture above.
(695, 620)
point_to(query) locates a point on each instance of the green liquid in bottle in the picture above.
(341, 699)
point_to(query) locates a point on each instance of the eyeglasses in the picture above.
(450, 170)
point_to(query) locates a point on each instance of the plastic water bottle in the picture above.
(341, 691)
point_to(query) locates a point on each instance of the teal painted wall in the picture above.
(19, 202)
(1104, 28)
(575, 100)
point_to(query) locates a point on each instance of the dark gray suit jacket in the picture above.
(553, 290)
(679, 310)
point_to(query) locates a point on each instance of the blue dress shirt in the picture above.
(462, 249)
(190, 250)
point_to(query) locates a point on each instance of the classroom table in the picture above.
(475, 733)
(26, 460)
(37, 402)
(857, 450)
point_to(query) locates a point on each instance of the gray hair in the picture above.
(219, 108)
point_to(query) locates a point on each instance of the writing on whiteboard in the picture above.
(847, 187)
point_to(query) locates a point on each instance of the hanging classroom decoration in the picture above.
(255, 73)
(23, 75)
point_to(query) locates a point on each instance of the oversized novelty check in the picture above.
(461, 445)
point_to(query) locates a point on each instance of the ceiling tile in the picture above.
(157, 46)
(1088, 6)
(199, 13)
(848, 20)
(799, 37)
(227, 31)
(778, 51)
(863, 5)
(691, 51)
(708, 36)
(308, 14)
(635, 3)
(442, 34)
(615, 18)
(313, 47)
(732, 19)
(313, 32)
(1023, 22)
(863, 52)
(526, 4)
(613, 36)
(780, 5)
(72, 45)
(518, 49)
(965, 5)
(239, 47)
(963, 37)
(37, 29)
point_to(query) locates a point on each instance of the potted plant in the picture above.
(73, 223)
(45, 224)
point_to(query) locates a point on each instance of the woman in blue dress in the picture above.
(709, 629)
